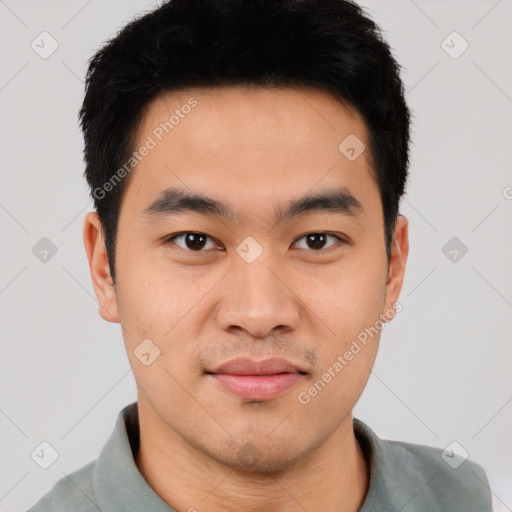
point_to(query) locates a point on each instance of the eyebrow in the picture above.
(175, 201)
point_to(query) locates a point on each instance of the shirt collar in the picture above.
(118, 483)
(396, 476)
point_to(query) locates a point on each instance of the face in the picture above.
(242, 310)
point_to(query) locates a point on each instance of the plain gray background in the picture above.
(443, 370)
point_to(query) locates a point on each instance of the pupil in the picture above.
(311, 238)
(195, 241)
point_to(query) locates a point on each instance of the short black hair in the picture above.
(332, 45)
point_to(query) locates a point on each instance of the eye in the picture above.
(196, 242)
(191, 241)
(317, 241)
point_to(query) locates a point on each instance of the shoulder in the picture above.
(421, 478)
(451, 475)
(72, 492)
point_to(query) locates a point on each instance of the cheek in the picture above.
(153, 292)
(146, 306)
(347, 299)
(331, 394)
(348, 303)
(153, 310)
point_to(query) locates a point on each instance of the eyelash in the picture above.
(178, 235)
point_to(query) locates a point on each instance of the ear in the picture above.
(397, 260)
(99, 268)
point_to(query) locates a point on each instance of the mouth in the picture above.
(257, 380)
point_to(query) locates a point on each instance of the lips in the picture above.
(257, 380)
(244, 366)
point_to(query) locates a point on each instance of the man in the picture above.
(247, 160)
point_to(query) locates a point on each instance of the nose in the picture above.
(259, 298)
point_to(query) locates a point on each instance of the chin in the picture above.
(261, 457)
(265, 465)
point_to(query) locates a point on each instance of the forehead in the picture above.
(245, 145)
(249, 115)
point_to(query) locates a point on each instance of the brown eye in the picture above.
(317, 241)
(191, 241)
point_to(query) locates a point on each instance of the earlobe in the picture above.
(99, 268)
(397, 262)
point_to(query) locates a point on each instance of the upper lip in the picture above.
(246, 366)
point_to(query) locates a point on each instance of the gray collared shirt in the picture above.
(403, 477)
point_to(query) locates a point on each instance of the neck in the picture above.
(334, 477)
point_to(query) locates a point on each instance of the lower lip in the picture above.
(258, 387)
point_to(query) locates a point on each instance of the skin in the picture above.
(254, 150)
